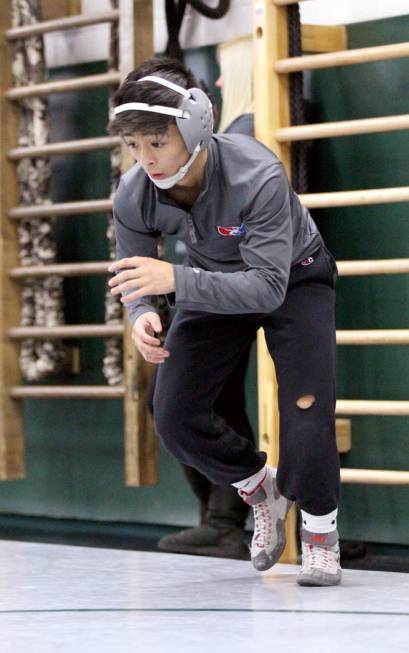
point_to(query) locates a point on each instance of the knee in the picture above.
(170, 419)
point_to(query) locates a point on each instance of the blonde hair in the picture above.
(236, 60)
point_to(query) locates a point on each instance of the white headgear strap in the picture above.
(156, 108)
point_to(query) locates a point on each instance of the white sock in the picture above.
(319, 523)
(251, 482)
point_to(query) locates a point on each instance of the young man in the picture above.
(255, 258)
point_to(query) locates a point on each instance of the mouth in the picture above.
(161, 176)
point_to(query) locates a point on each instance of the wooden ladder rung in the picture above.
(375, 476)
(341, 58)
(58, 24)
(67, 392)
(61, 270)
(345, 268)
(343, 128)
(64, 208)
(63, 86)
(355, 197)
(369, 407)
(373, 337)
(65, 147)
(381, 266)
(67, 331)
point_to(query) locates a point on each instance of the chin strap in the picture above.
(168, 182)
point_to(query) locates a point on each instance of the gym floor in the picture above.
(88, 600)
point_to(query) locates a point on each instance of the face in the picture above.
(160, 155)
(219, 84)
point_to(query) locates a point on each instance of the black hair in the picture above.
(145, 122)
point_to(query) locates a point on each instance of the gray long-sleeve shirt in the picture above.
(243, 233)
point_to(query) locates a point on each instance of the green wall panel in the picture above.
(378, 514)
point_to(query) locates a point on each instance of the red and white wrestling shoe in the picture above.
(320, 559)
(270, 511)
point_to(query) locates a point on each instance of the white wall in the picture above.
(91, 43)
(341, 12)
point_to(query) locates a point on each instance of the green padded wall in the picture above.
(378, 514)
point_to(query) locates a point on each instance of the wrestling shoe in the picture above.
(270, 510)
(320, 559)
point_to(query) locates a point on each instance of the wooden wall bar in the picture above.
(11, 420)
(141, 446)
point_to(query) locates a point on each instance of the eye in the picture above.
(158, 144)
(132, 146)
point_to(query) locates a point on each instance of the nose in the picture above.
(219, 82)
(147, 159)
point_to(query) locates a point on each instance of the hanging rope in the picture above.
(42, 300)
(299, 150)
(175, 10)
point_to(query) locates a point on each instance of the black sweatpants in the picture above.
(300, 336)
(220, 505)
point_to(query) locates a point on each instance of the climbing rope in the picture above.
(299, 150)
(42, 299)
(175, 10)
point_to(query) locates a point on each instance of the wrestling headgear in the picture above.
(194, 119)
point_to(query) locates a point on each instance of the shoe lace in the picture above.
(263, 524)
(319, 557)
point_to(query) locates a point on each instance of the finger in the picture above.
(154, 353)
(134, 261)
(155, 322)
(127, 285)
(150, 340)
(154, 359)
(142, 292)
(119, 278)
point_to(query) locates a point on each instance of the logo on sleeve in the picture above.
(308, 261)
(238, 230)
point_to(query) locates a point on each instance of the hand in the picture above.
(147, 275)
(143, 332)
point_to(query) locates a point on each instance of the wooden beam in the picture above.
(374, 337)
(382, 266)
(67, 392)
(11, 420)
(343, 128)
(60, 269)
(68, 331)
(71, 22)
(65, 147)
(52, 9)
(355, 197)
(343, 435)
(375, 476)
(345, 58)
(64, 86)
(272, 111)
(64, 208)
(371, 407)
(324, 38)
(141, 446)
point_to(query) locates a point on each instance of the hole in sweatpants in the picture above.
(305, 402)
